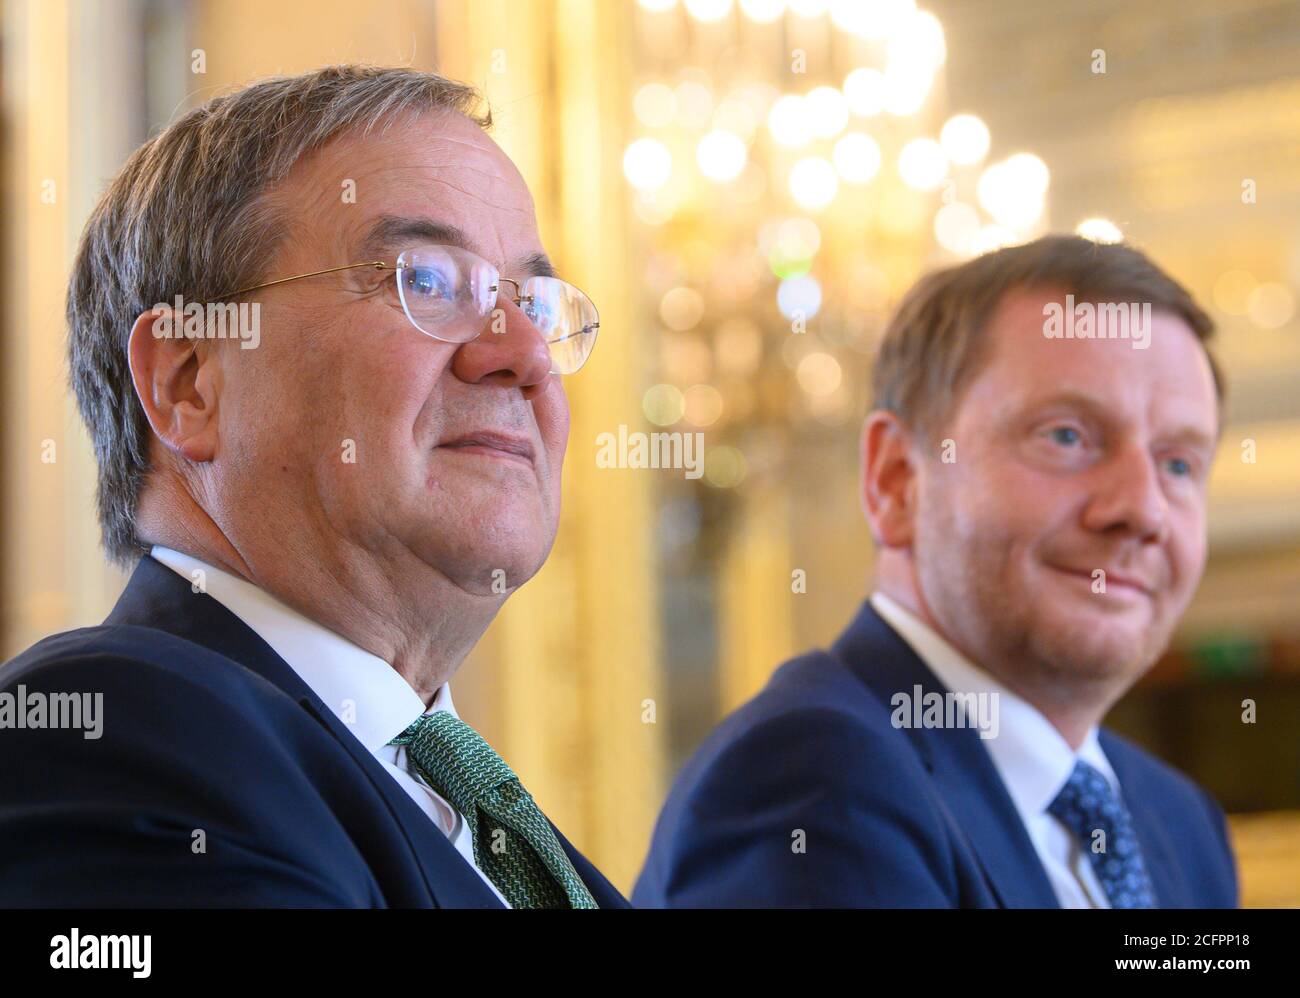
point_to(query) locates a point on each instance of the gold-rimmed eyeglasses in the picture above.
(449, 293)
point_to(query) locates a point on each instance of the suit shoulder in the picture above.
(1191, 821)
(814, 681)
(128, 648)
(148, 677)
(813, 755)
(150, 745)
(819, 713)
(1156, 773)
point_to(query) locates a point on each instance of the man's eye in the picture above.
(428, 282)
(1066, 436)
(1179, 466)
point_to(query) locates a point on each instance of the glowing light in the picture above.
(813, 182)
(1271, 305)
(1030, 171)
(656, 6)
(721, 155)
(1099, 230)
(703, 405)
(957, 227)
(864, 90)
(799, 297)
(708, 10)
(819, 373)
(879, 18)
(808, 8)
(827, 111)
(965, 139)
(1014, 190)
(663, 405)
(724, 466)
(907, 85)
(852, 16)
(834, 409)
(681, 308)
(655, 105)
(857, 158)
(647, 164)
(762, 11)
(799, 235)
(788, 122)
(918, 42)
(922, 164)
(792, 246)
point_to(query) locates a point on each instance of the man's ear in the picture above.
(888, 479)
(177, 379)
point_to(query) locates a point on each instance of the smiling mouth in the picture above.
(1125, 584)
(493, 445)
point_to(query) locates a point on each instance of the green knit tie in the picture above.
(514, 844)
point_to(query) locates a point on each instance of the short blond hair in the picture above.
(933, 345)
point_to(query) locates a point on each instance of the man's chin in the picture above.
(1099, 645)
(489, 568)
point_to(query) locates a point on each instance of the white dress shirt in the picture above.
(363, 690)
(1033, 759)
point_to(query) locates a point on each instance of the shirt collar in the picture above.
(363, 690)
(1032, 757)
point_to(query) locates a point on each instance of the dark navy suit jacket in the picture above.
(206, 729)
(889, 817)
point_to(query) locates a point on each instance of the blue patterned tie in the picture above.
(1087, 805)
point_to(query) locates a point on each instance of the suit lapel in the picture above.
(159, 598)
(967, 782)
(451, 881)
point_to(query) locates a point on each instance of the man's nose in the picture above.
(509, 352)
(1129, 498)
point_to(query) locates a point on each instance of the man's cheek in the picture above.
(551, 412)
(1188, 566)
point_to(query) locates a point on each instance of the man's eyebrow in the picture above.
(537, 265)
(1068, 398)
(1194, 437)
(391, 233)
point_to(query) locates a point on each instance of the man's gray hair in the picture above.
(190, 215)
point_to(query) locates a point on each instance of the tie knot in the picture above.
(455, 759)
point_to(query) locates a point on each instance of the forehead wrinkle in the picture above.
(463, 163)
(480, 198)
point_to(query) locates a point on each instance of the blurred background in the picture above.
(745, 189)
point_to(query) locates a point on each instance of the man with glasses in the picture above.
(323, 526)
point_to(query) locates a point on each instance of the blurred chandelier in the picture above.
(792, 177)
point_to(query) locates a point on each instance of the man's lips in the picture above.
(1121, 581)
(489, 444)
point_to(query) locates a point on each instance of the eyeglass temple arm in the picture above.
(581, 332)
(373, 264)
